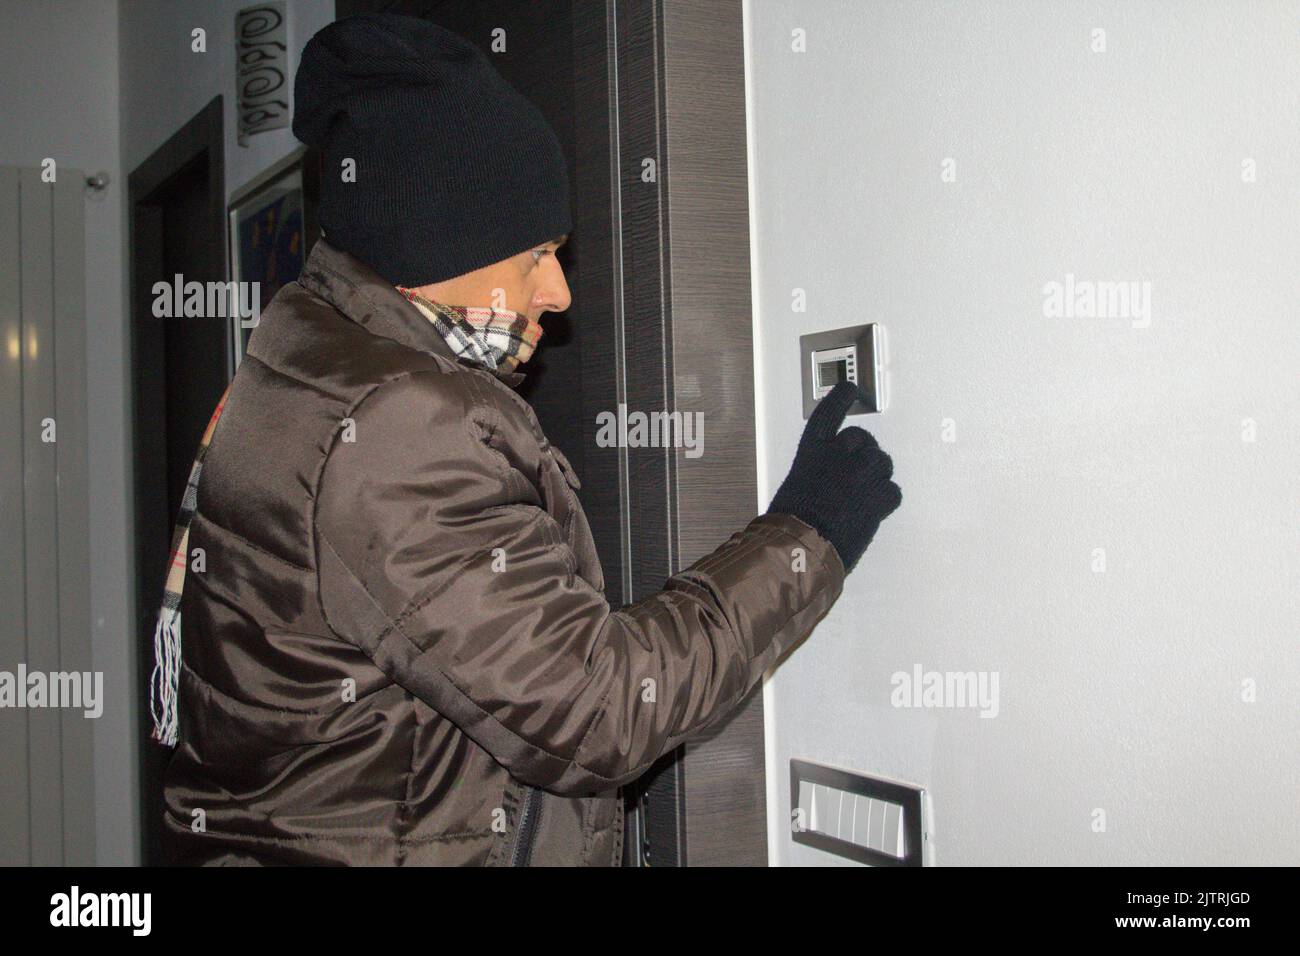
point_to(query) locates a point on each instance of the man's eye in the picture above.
(538, 253)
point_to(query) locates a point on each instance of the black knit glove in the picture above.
(840, 480)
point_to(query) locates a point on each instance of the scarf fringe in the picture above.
(165, 679)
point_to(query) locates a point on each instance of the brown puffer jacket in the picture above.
(400, 651)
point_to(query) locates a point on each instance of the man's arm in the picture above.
(437, 558)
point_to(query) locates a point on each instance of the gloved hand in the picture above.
(839, 482)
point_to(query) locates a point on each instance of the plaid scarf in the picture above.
(497, 339)
(165, 679)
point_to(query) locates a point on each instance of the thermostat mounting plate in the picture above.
(827, 358)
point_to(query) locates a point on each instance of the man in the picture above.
(399, 651)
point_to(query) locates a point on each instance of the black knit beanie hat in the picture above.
(455, 169)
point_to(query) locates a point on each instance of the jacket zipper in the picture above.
(528, 817)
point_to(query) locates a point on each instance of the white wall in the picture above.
(1119, 690)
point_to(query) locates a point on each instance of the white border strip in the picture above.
(771, 775)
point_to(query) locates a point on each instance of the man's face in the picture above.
(529, 283)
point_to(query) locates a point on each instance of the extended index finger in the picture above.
(829, 414)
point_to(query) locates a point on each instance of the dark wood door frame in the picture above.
(198, 145)
(687, 336)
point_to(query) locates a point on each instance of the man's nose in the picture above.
(553, 293)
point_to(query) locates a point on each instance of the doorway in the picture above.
(179, 368)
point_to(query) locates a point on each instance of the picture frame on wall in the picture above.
(272, 225)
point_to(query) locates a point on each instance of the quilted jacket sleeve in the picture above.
(437, 558)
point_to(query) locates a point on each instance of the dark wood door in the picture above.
(647, 99)
(557, 54)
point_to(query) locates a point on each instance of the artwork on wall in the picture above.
(272, 227)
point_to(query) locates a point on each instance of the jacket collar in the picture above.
(363, 296)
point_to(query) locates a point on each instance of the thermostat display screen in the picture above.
(832, 366)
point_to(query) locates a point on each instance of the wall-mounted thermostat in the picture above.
(850, 354)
